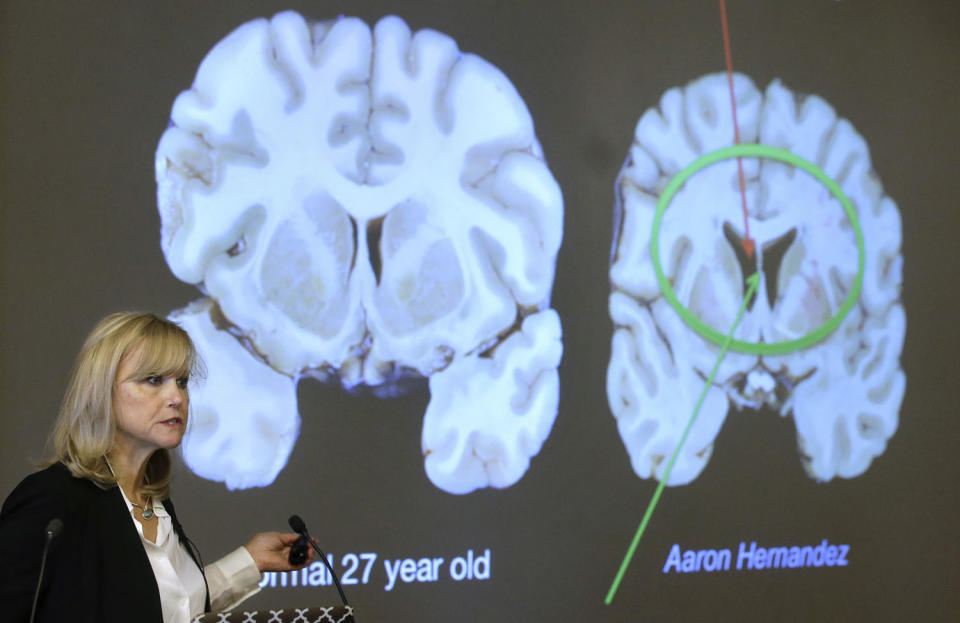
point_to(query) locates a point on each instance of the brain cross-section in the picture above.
(362, 206)
(844, 392)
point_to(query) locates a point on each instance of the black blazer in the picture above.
(97, 570)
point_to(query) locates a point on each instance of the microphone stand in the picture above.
(53, 529)
(323, 558)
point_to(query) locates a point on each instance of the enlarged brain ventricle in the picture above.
(363, 205)
(844, 393)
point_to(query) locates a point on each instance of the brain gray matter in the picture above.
(362, 206)
(844, 393)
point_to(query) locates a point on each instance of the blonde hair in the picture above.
(85, 427)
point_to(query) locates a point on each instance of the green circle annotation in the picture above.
(708, 332)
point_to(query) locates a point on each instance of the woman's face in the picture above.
(151, 410)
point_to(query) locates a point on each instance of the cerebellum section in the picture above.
(364, 205)
(842, 392)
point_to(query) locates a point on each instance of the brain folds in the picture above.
(363, 204)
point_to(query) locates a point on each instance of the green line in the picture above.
(753, 281)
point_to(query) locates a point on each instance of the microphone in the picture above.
(297, 525)
(54, 526)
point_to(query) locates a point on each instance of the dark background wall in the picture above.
(86, 92)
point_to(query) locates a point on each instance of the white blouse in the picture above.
(231, 579)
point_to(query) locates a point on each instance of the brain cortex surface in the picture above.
(844, 391)
(362, 206)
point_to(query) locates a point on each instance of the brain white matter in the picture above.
(844, 393)
(363, 205)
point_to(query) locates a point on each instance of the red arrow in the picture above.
(747, 242)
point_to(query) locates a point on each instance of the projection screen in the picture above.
(532, 310)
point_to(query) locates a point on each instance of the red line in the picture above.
(736, 125)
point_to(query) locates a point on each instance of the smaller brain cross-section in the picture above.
(843, 391)
(362, 206)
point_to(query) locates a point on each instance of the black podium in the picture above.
(331, 614)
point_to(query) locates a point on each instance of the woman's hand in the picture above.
(271, 551)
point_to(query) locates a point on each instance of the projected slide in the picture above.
(821, 333)
(362, 206)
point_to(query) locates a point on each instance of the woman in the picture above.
(122, 555)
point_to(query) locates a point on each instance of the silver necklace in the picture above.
(147, 513)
